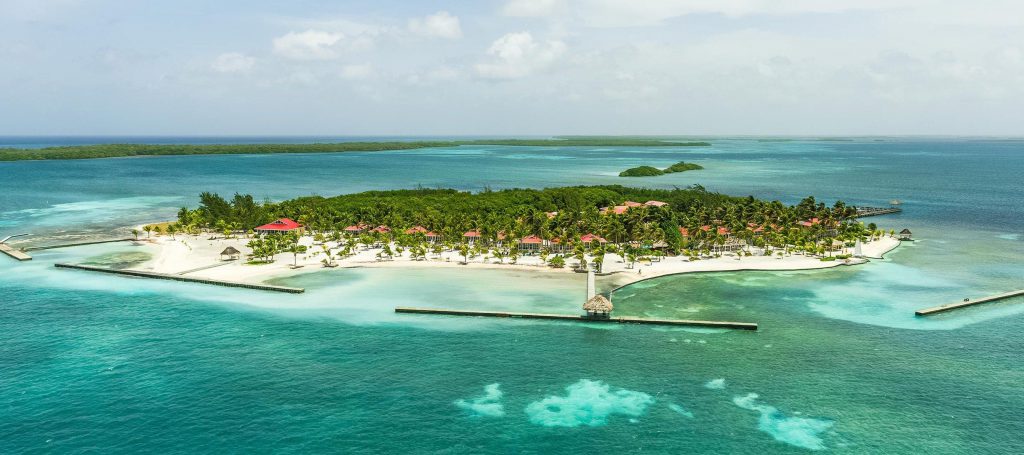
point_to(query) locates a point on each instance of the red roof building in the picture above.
(587, 238)
(355, 228)
(281, 225)
(416, 230)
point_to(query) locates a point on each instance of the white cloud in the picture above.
(627, 13)
(361, 71)
(308, 45)
(440, 24)
(233, 62)
(516, 55)
(532, 8)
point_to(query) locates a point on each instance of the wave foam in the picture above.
(680, 410)
(488, 405)
(715, 384)
(587, 403)
(796, 431)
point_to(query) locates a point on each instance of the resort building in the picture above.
(531, 243)
(355, 229)
(588, 239)
(282, 225)
(431, 236)
(472, 236)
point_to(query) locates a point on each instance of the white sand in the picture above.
(187, 253)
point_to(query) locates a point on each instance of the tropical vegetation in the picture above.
(126, 150)
(691, 222)
(651, 171)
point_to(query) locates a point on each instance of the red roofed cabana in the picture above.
(279, 226)
(531, 243)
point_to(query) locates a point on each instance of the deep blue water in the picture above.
(91, 363)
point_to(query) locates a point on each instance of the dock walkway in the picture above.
(69, 245)
(14, 253)
(165, 276)
(579, 318)
(967, 303)
(875, 211)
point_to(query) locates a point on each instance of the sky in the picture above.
(512, 67)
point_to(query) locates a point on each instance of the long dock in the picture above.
(69, 245)
(579, 318)
(14, 253)
(876, 211)
(165, 276)
(967, 303)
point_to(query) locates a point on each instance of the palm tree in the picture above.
(148, 229)
(135, 232)
(296, 249)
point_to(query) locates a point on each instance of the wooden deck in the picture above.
(14, 253)
(165, 276)
(580, 318)
(953, 306)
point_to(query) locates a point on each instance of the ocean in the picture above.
(101, 363)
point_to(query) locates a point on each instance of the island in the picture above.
(624, 233)
(651, 171)
(127, 150)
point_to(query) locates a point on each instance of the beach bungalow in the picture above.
(531, 243)
(589, 239)
(280, 226)
(381, 229)
(905, 234)
(431, 236)
(471, 236)
(230, 254)
(355, 229)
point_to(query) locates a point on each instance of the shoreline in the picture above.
(199, 257)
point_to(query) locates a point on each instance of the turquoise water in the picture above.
(97, 363)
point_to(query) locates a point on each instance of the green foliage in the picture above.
(683, 166)
(642, 171)
(125, 150)
(651, 171)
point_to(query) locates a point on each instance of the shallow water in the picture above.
(839, 364)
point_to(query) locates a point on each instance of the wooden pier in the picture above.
(876, 211)
(165, 276)
(69, 245)
(14, 253)
(579, 318)
(967, 303)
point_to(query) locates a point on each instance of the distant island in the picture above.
(126, 150)
(651, 171)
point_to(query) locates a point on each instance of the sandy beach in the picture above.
(199, 256)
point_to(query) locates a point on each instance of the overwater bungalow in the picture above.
(905, 234)
(598, 307)
(283, 225)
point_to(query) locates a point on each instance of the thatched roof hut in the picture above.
(598, 305)
(905, 234)
(230, 252)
